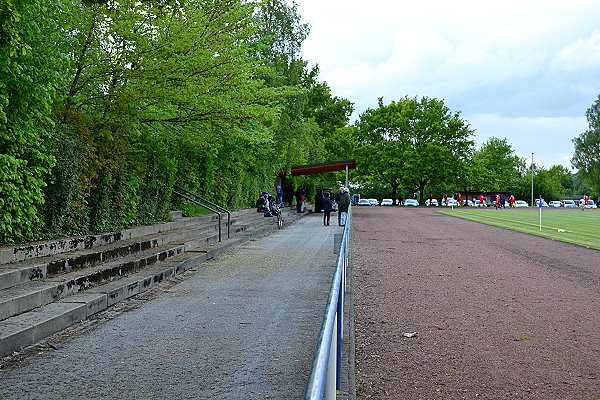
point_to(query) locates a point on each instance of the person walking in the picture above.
(327, 207)
(344, 206)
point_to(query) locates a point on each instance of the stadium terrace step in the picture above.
(55, 284)
(65, 245)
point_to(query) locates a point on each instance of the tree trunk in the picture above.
(421, 191)
(394, 193)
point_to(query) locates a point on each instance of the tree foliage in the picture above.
(105, 105)
(26, 96)
(587, 149)
(494, 167)
(413, 142)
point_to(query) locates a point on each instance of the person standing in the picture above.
(300, 199)
(289, 194)
(278, 194)
(319, 201)
(481, 201)
(344, 206)
(337, 199)
(327, 207)
(430, 199)
(445, 199)
(585, 201)
(511, 201)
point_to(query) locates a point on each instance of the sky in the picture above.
(525, 71)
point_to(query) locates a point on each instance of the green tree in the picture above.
(27, 92)
(587, 149)
(553, 183)
(494, 167)
(152, 81)
(414, 142)
(311, 126)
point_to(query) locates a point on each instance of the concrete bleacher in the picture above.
(47, 286)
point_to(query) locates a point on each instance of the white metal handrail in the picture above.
(325, 376)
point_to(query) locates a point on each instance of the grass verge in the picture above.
(564, 224)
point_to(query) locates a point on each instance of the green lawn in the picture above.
(580, 227)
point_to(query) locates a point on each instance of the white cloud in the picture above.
(581, 54)
(550, 139)
(534, 64)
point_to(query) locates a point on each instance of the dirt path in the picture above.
(498, 314)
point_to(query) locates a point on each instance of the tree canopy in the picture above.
(587, 148)
(493, 167)
(105, 105)
(414, 142)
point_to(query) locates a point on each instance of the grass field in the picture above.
(576, 226)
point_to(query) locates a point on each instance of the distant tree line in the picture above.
(105, 105)
(419, 146)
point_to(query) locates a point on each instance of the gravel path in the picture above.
(497, 314)
(243, 326)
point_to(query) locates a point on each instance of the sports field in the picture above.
(565, 224)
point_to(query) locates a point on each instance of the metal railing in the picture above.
(326, 371)
(197, 196)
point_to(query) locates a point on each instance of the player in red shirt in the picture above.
(585, 201)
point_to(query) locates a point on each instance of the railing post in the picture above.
(219, 227)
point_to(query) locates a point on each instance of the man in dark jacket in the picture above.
(327, 208)
(344, 206)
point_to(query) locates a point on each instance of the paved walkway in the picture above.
(243, 326)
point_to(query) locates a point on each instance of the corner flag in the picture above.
(540, 203)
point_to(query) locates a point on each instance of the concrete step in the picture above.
(18, 273)
(47, 248)
(26, 296)
(56, 303)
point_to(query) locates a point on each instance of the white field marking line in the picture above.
(531, 224)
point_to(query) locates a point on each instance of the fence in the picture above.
(325, 375)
